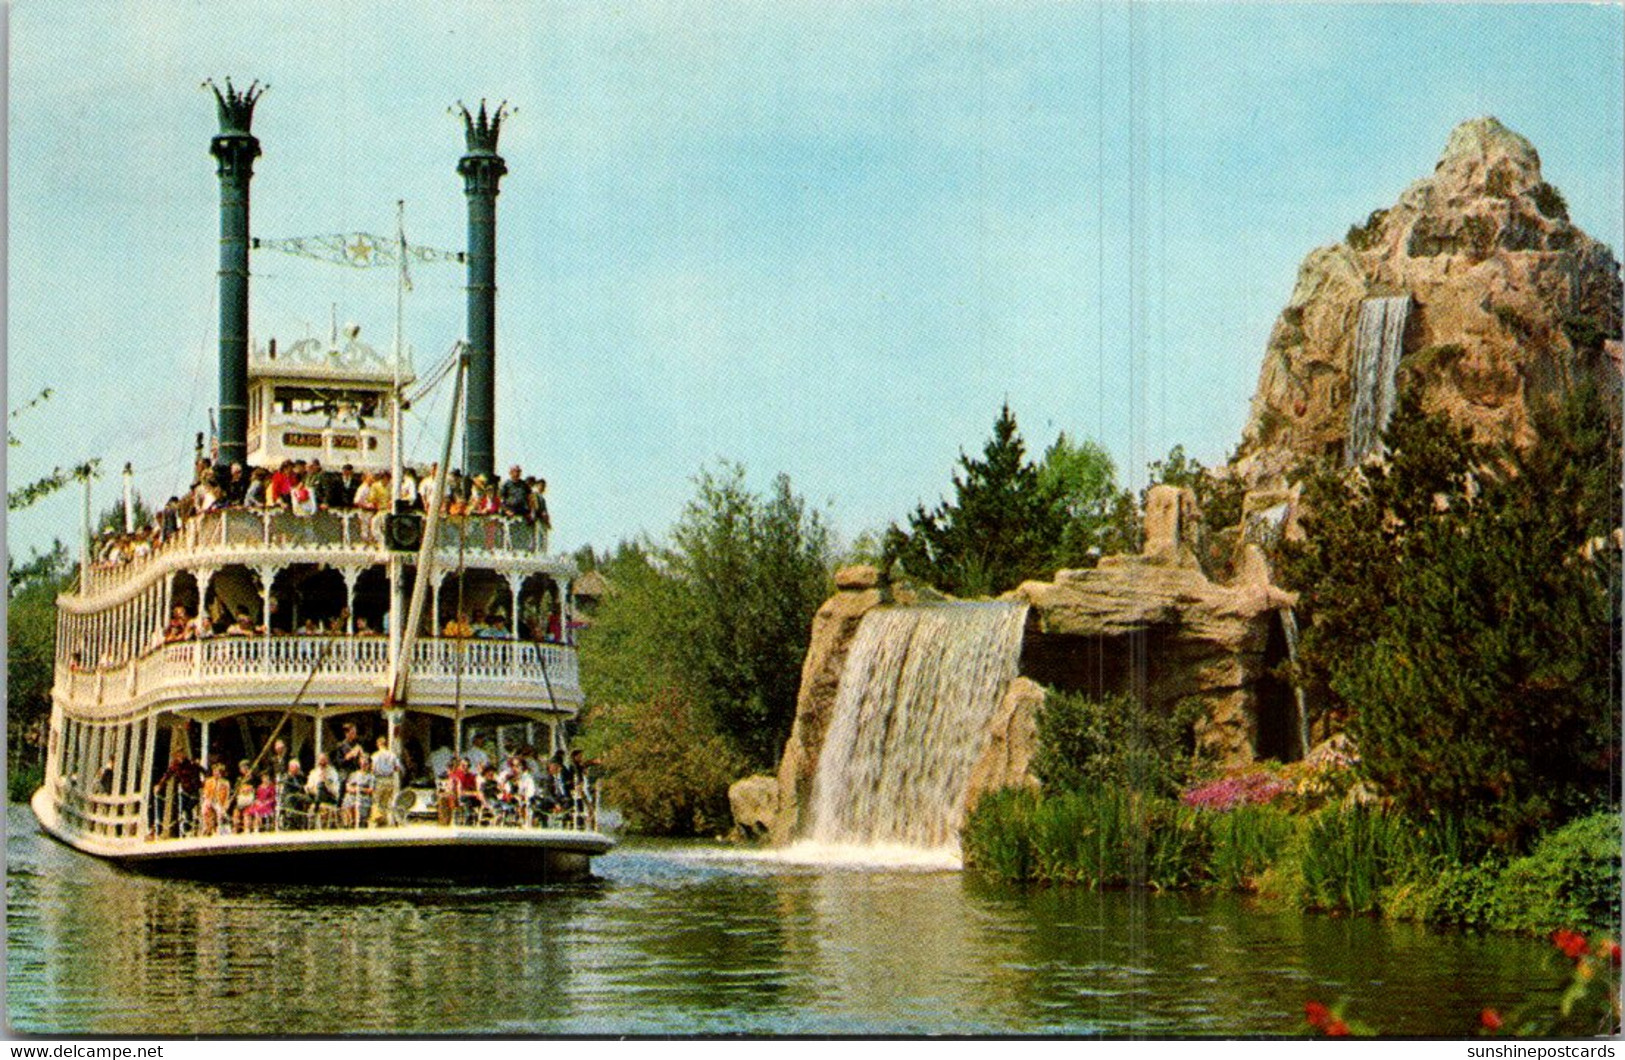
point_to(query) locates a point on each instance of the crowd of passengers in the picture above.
(183, 625)
(352, 787)
(304, 488)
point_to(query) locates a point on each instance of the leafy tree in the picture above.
(1359, 524)
(752, 572)
(666, 767)
(1218, 496)
(1096, 517)
(1177, 469)
(715, 623)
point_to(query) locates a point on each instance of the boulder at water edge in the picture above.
(755, 804)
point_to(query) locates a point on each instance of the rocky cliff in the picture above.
(1152, 625)
(1510, 302)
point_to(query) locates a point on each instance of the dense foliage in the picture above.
(693, 660)
(32, 589)
(1012, 520)
(666, 766)
(1361, 859)
(1112, 742)
(1462, 626)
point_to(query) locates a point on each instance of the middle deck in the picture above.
(315, 592)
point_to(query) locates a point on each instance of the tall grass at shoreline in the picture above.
(1363, 859)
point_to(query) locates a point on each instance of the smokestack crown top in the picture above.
(236, 108)
(480, 131)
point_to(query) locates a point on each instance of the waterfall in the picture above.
(910, 719)
(1379, 338)
(1289, 629)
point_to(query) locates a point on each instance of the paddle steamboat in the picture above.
(250, 629)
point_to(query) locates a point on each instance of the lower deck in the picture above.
(514, 849)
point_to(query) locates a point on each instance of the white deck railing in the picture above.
(246, 528)
(541, 671)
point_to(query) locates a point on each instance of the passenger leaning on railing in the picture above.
(215, 814)
(386, 771)
(515, 494)
(338, 488)
(258, 484)
(292, 798)
(358, 794)
(325, 786)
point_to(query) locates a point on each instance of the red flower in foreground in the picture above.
(1317, 1014)
(1610, 949)
(1337, 1029)
(1572, 943)
(1491, 1019)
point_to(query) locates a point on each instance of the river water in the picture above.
(699, 939)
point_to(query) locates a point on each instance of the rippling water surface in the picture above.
(675, 939)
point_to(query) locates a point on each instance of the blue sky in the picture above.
(822, 239)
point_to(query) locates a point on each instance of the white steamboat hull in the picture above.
(347, 856)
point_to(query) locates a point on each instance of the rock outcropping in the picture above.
(836, 623)
(1152, 625)
(755, 805)
(1155, 626)
(1510, 303)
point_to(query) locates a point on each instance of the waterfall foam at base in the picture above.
(1379, 339)
(918, 689)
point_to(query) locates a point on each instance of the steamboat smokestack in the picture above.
(482, 169)
(235, 149)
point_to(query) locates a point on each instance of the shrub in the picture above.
(1571, 879)
(665, 767)
(1549, 201)
(1478, 232)
(1436, 357)
(1113, 741)
(1515, 322)
(1584, 332)
(1363, 236)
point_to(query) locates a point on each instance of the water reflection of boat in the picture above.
(307, 589)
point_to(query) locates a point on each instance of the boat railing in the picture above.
(170, 816)
(98, 814)
(546, 667)
(248, 528)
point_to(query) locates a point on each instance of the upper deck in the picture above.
(240, 607)
(276, 536)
